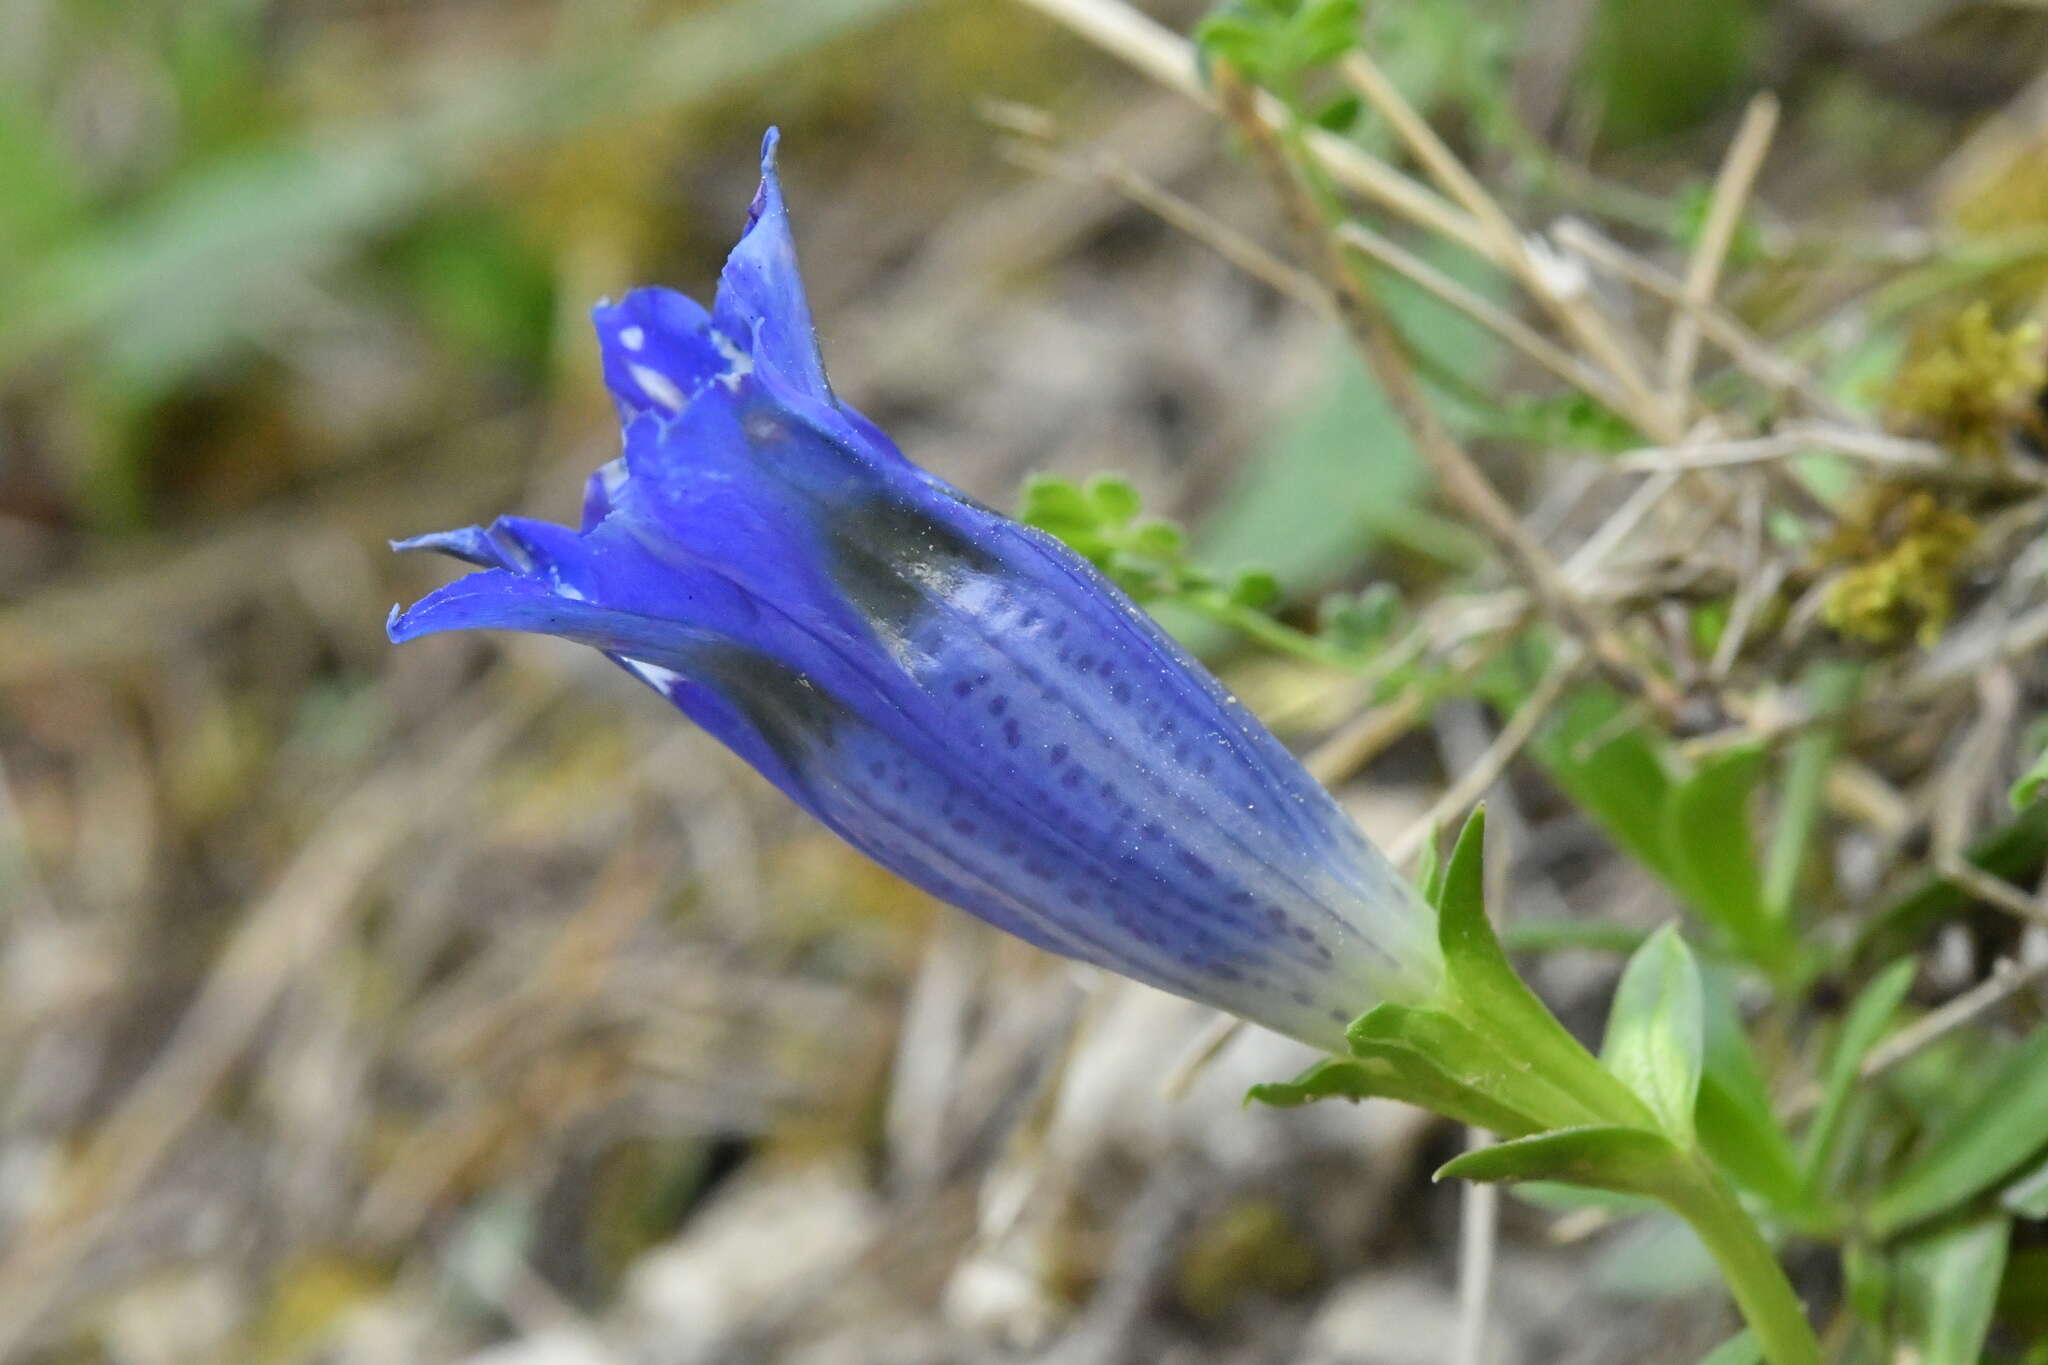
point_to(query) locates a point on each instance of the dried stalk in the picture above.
(1703, 274)
(1387, 359)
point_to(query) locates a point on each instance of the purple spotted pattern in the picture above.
(958, 696)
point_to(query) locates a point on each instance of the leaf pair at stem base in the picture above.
(1488, 1053)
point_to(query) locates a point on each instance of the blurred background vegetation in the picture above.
(458, 1002)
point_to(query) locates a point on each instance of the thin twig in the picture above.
(1478, 776)
(1703, 273)
(1995, 891)
(1364, 738)
(1455, 470)
(1494, 318)
(1566, 301)
(1200, 1052)
(1585, 560)
(1166, 57)
(1919, 460)
(2007, 979)
(280, 935)
(1478, 1233)
(1226, 241)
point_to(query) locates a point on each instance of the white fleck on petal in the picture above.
(632, 338)
(738, 362)
(658, 387)
(663, 680)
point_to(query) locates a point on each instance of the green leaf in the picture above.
(2023, 1298)
(1159, 540)
(1948, 1287)
(1255, 588)
(2028, 789)
(1740, 1349)
(1610, 771)
(2014, 851)
(1713, 859)
(1469, 1061)
(1996, 1135)
(1339, 114)
(1391, 1072)
(1323, 31)
(1831, 688)
(1605, 1157)
(1867, 1282)
(1054, 503)
(1503, 1006)
(2027, 1196)
(1233, 38)
(1736, 1125)
(1654, 70)
(1360, 622)
(1571, 421)
(1429, 866)
(1868, 1020)
(1113, 498)
(1655, 1031)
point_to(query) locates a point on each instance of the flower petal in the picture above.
(660, 350)
(761, 294)
(960, 697)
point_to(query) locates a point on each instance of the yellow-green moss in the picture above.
(1971, 386)
(1903, 549)
(1248, 1247)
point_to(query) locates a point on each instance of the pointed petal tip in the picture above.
(768, 197)
(470, 544)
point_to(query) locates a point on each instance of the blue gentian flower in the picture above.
(958, 696)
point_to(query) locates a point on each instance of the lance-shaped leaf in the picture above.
(1733, 1115)
(1655, 1032)
(1472, 1063)
(1713, 857)
(1497, 1000)
(1604, 1157)
(1866, 1022)
(1948, 1288)
(1393, 1073)
(1992, 1138)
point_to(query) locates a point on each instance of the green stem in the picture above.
(1275, 635)
(1776, 1317)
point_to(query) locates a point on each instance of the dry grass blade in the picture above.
(1568, 303)
(1922, 461)
(2006, 981)
(1751, 354)
(1503, 324)
(1165, 57)
(1455, 470)
(1732, 189)
(1477, 777)
(1226, 241)
(284, 933)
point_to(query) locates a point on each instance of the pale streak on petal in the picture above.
(658, 387)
